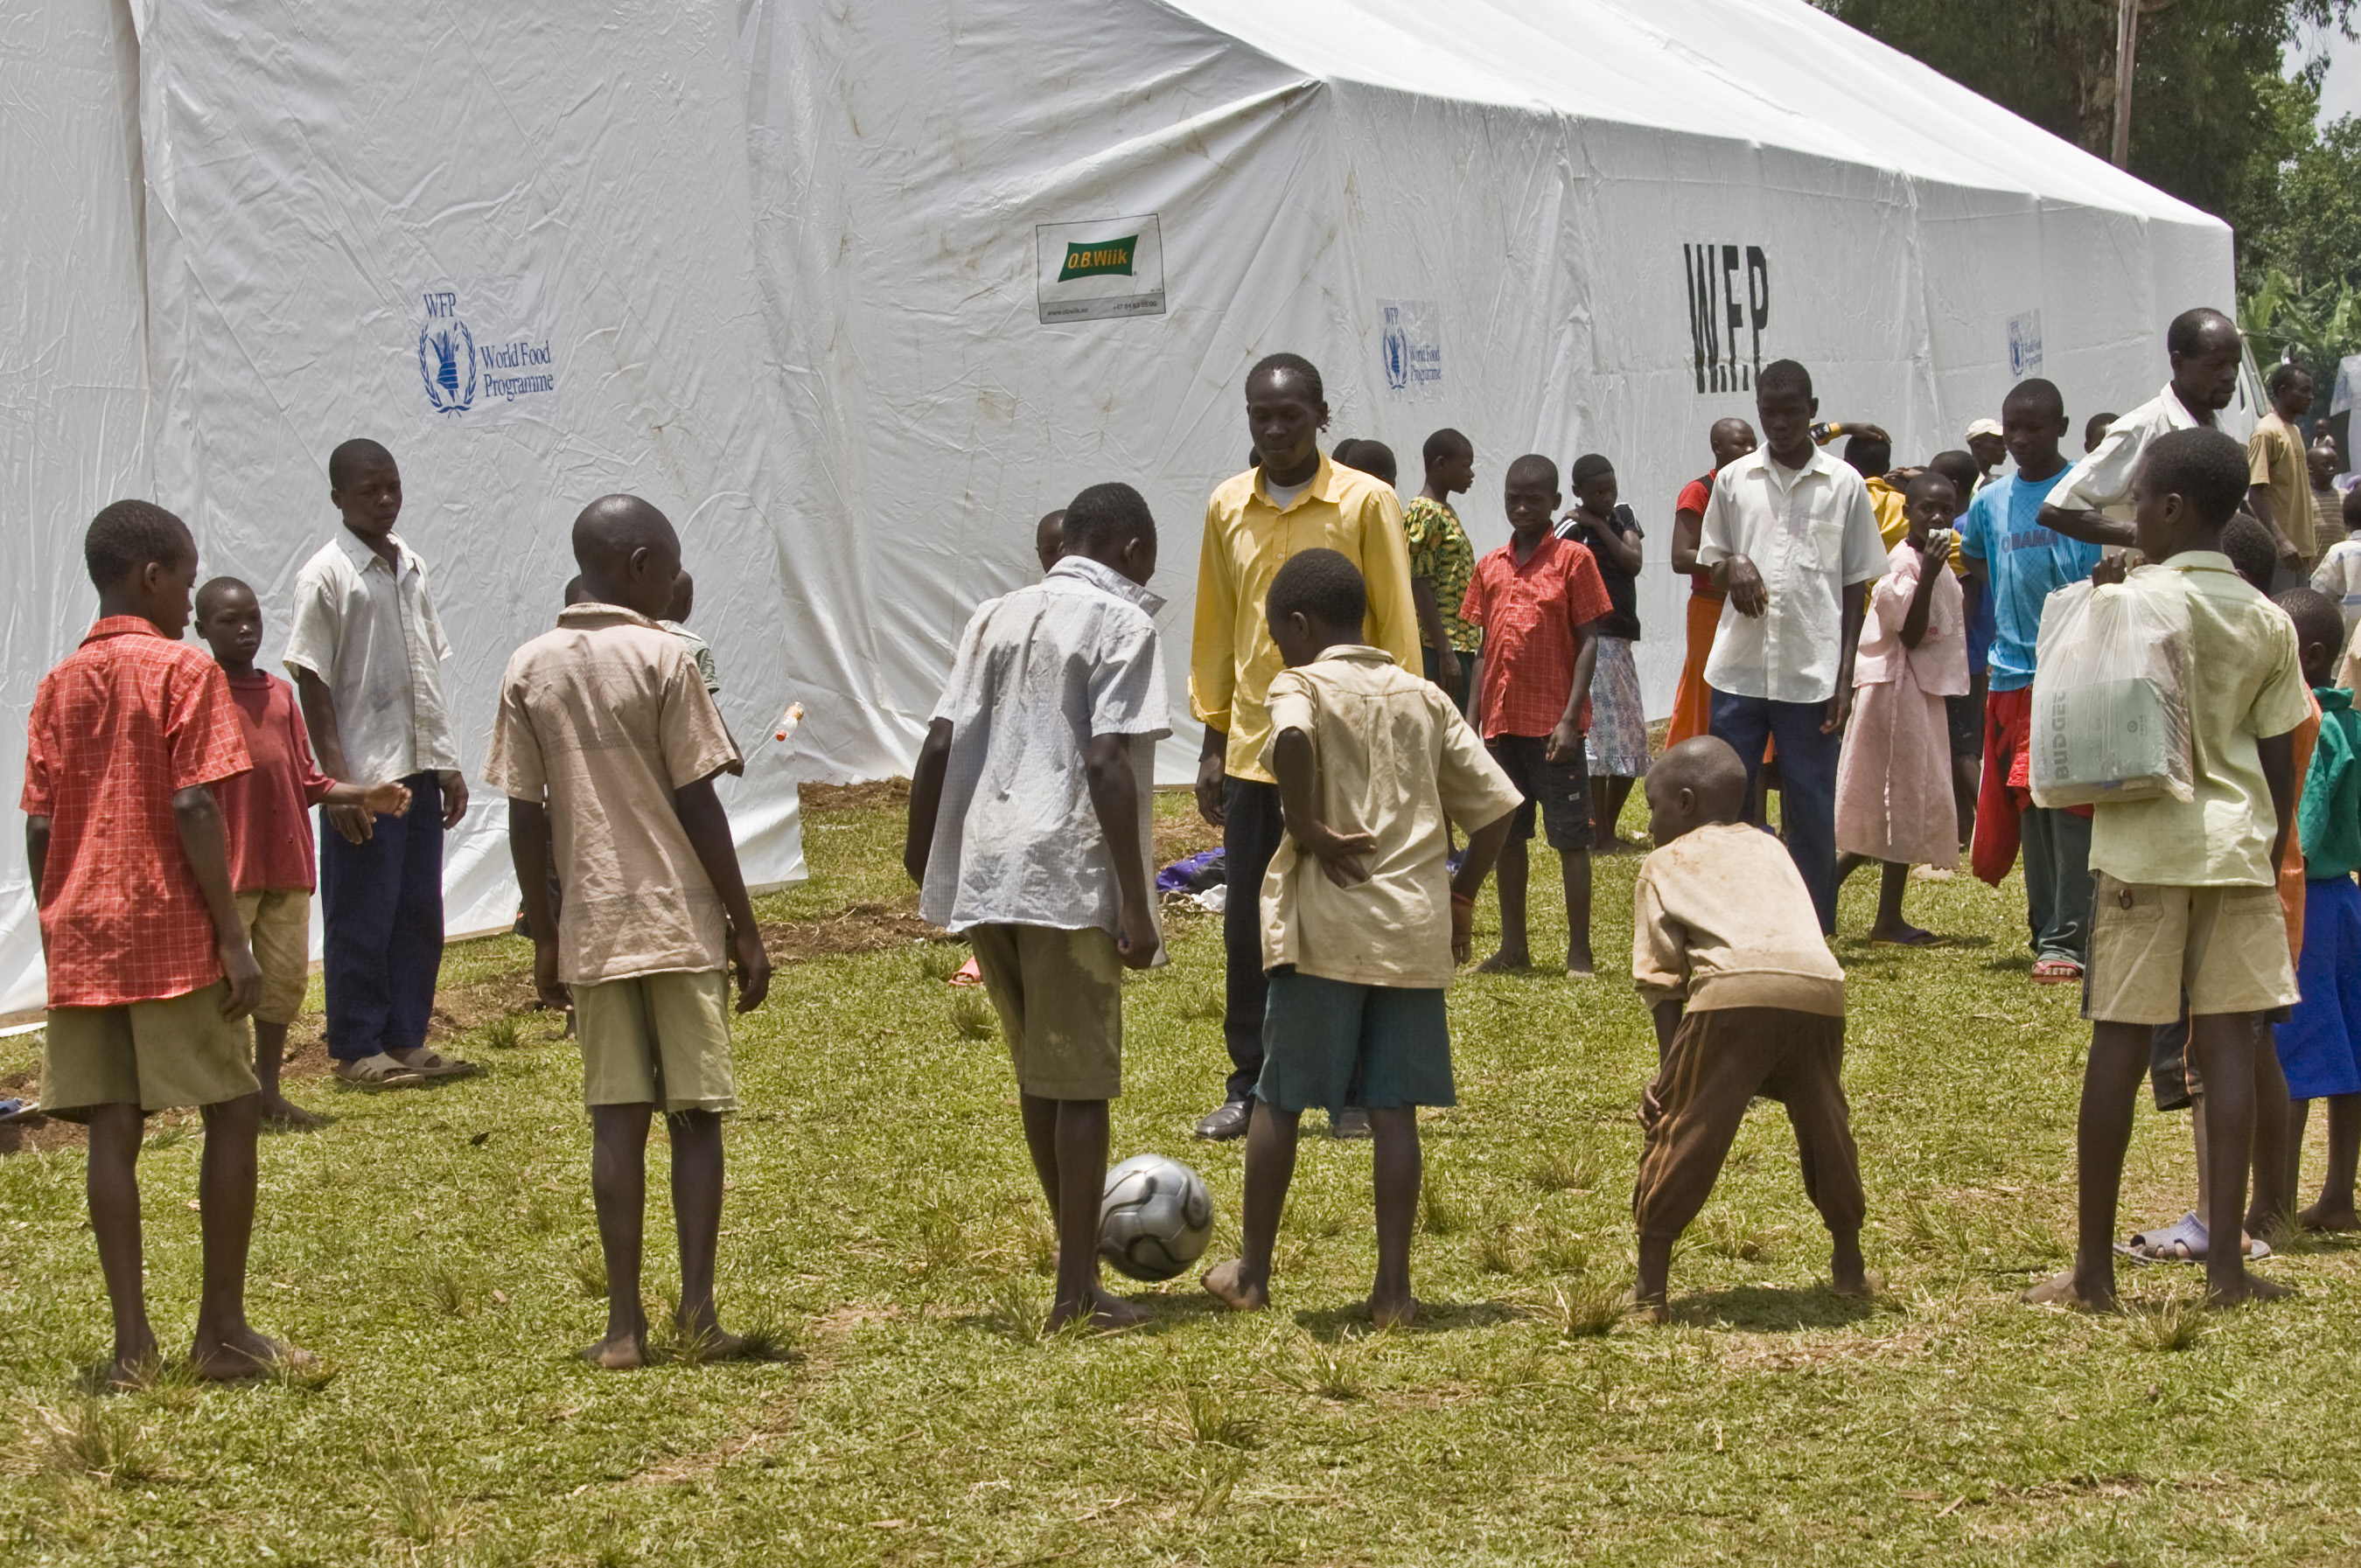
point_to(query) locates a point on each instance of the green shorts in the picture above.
(1060, 997)
(154, 1055)
(657, 1039)
(1333, 1043)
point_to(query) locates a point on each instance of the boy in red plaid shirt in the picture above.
(1539, 598)
(149, 973)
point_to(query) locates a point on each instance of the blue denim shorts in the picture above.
(1333, 1043)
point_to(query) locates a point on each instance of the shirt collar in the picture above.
(363, 557)
(1107, 579)
(2200, 561)
(1356, 654)
(2333, 699)
(1771, 467)
(2176, 411)
(590, 614)
(1320, 487)
(122, 626)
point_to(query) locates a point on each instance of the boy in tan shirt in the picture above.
(607, 745)
(1726, 947)
(1362, 921)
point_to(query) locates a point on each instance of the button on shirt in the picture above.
(2245, 684)
(1812, 534)
(2101, 481)
(1040, 671)
(1246, 540)
(1394, 759)
(121, 726)
(1530, 612)
(604, 720)
(370, 632)
(268, 808)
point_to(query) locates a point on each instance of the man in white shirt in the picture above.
(2093, 502)
(1790, 536)
(366, 650)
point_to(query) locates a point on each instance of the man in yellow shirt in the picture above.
(2278, 489)
(1293, 499)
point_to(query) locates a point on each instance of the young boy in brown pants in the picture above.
(1725, 948)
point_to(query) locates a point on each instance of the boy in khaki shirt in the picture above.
(607, 745)
(1726, 947)
(1362, 921)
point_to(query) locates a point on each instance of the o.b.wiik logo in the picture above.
(1719, 314)
(446, 356)
(1104, 258)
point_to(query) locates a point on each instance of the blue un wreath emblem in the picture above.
(446, 363)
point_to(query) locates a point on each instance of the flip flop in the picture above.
(379, 1072)
(2183, 1241)
(2057, 971)
(16, 1109)
(428, 1062)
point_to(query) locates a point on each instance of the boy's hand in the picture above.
(1211, 770)
(1839, 709)
(1565, 743)
(752, 964)
(455, 796)
(353, 821)
(1135, 937)
(387, 799)
(1935, 548)
(1339, 853)
(245, 976)
(1743, 583)
(1462, 927)
(2111, 569)
(551, 991)
(1447, 668)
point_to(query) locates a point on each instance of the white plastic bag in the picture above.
(2110, 696)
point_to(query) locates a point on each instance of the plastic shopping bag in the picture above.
(2111, 696)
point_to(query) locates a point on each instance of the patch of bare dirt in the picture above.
(857, 928)
(877, 795)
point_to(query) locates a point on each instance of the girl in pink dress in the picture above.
(1894, 783)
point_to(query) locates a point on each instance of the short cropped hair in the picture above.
(1961, 468)
(128, 535)
(2186, 333)
(2316, 616)
(1106, 514)
(1866, 455)
(1374, 458)
(213, 589)
(1533, 462)
(1588, 466)
(2252, 549)
(2036, 392)
(2098, 424)
(1320, 584)
(1342, 451)
(352, 456)
(1290, 365)
(1443, 443)
(2283, 376)
(1784, 376)
(2205, 466)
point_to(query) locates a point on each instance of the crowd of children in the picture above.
(1849, 636)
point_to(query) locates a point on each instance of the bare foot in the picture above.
(1651, 1308)
(1393, 1312)
(2321, 1217)
(2250, 1287)
(1903, 936)
(617, 1355)
(135, 1366)
(1507, 962)
(2064, 1291)
(1856, 1285)
(1229, 1285)
(245, 1353)
(1107, 1313)
(1578, 963)
(279, 1109)
(707, 1342)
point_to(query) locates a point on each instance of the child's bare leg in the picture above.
(1509, 876)
(2275, 1188)
(2224, 1045)
(227, 1345)
(111, 1183)
(1244, 1283)
(1848, 863)
(696, 1176)
(2102, 1133)
(1892, 881)
(619, 1190)
(1398, 1169)
(1848, 1270)
(1077, 1139)
(1649, 1291)
(270, 1054)
(2334, 1209)
(1574, 864)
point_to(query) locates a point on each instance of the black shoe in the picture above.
(1352, 1122)
(1226, 1121)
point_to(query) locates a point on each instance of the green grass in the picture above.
(885, 1232)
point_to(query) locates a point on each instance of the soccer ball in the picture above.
(1155, 1217)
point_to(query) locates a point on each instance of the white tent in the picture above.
(856, 292)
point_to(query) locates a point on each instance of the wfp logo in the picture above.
(446, 356)
(1396, 350)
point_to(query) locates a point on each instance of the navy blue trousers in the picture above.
(381, 907)
(1807, 781)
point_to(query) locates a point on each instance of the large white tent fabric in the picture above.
(856, 292)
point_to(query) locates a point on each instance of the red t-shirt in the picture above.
(269, 810)
(122, 724)
(1529, 614)
(1693, 497)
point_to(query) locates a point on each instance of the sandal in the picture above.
(2057, 971)
(2184, 1241)
(427, 1062)
(379, 1072)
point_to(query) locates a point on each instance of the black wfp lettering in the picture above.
(1710, 272)
(1705, 323)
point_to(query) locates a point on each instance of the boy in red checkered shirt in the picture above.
(149, 972)
(1539, 598)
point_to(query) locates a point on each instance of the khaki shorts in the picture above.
(278, 927)
(1060, 997)
(657, 1039)
(154, 1055)
(2225, 946)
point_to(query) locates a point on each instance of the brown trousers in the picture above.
(1719, 1060)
